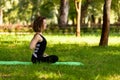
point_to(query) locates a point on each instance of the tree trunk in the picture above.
(106, 24)
(64, 10)
(84, 9)
(78, 24)
(1, 16)
(78, 16)
(118, 18)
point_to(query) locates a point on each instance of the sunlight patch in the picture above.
(47, 75)
(113, 77)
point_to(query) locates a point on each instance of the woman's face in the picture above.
(44, 24)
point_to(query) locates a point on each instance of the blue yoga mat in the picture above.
(28, 63)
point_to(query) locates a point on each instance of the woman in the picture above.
(38, 42)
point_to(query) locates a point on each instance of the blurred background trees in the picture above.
(61, 14)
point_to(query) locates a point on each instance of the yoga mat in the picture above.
(68, 63)
(14, 63)
(28, 63)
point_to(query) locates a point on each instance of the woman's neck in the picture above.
(39, 33)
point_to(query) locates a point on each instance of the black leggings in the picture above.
(47, 59)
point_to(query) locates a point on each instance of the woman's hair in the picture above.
(38, 23)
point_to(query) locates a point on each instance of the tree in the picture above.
(115, 7)
(94, 12)
(1, 16)
(47, 7)
(78, 16)
(106, 23)
(84, 9)
(2, 2)
(64, 10)
(7, 11)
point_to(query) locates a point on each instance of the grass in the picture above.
(100, 63)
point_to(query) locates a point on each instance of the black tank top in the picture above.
(40, 47)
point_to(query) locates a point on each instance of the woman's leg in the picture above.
(33, 59)
(49, 59)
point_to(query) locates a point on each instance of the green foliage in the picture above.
(72, 11)
(2, 3)
(26, 10)
(101, 63)
(115, 7)
(46, 8)
(96, 7)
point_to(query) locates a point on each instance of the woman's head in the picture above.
(39, 24)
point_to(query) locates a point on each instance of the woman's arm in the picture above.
(35, 39)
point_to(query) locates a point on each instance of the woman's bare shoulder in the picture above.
(38, 37)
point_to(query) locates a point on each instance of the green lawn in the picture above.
(100, 63)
